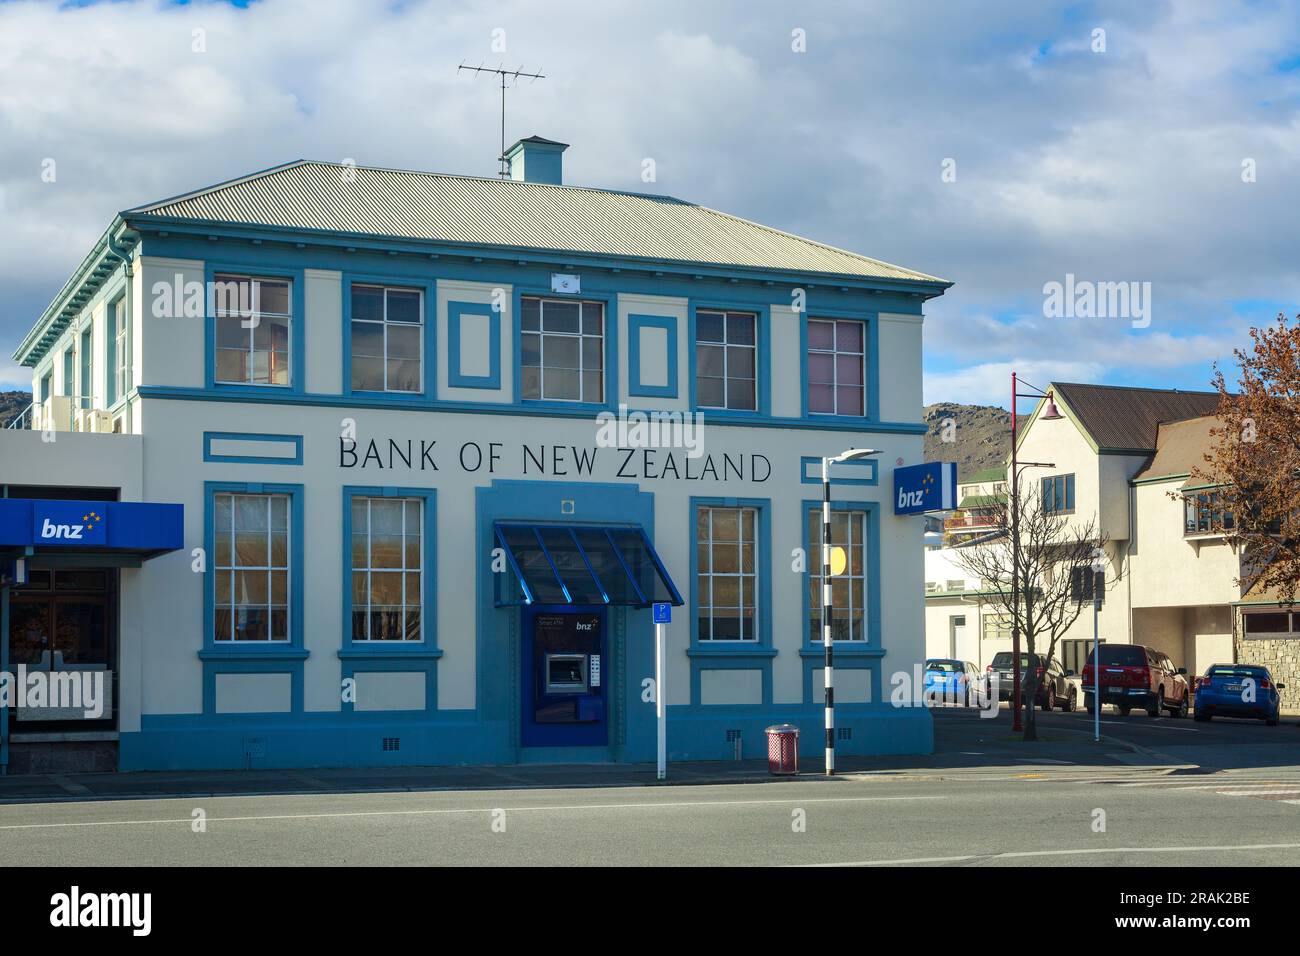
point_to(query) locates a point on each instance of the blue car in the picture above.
(1238, 690)
(950, 681)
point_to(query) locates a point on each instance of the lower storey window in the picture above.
(997, 627)
(1074, 653)
(727, 583)
(849, 588)
(387, 571)
(1266, 625)
(251, 595)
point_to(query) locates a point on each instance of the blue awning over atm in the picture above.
(581, 564)
(135, 529)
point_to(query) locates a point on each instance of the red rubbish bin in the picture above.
(783, 749)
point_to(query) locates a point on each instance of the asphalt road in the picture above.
(984, 799)
(851, 820)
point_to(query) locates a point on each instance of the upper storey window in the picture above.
(562, 350)
(253, 317)
(726, 360)
(387, 339)
(837, 358)
(1058, 494)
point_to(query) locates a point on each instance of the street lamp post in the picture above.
(828, 642)
(1098, 588)
(1049, 414)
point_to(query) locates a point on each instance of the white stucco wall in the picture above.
(174, 470)
(676, 308)
(900, 383)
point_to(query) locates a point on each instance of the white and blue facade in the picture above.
(472, 460)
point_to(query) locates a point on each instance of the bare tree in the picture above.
(1054, 548)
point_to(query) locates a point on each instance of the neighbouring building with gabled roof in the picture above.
(1122, 457)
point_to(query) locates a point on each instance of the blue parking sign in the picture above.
(663, 613)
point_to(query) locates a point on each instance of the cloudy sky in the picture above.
(1118, 157)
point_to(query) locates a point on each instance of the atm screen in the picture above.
(566, 673)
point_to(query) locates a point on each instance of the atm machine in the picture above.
(564, 699)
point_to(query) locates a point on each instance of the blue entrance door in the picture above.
(564, 658)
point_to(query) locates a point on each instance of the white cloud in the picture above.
(1117, 166)
(14, 377)
(990, 383)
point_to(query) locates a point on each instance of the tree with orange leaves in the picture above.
(1254, 462)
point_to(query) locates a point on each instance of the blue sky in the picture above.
(1115, 165)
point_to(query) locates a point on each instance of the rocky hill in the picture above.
(981, 436)
(11, 403)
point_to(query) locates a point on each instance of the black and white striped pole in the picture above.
(828, 641)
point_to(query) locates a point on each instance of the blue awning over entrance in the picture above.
(142, 529)
(581, 565)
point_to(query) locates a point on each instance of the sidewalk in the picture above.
(991, 756)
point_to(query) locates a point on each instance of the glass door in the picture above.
(60, 624)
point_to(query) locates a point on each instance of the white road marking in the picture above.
(1178, 784)
(1040, 853)
(463, 810)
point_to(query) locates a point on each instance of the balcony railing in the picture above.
(23, 419)
(969, 520)
(63, 413)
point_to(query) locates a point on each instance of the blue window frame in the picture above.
(262, 357)
(389, 568)
(837, 366)
(390, 656)
(726, 359)
(711, 361)
(115, 346)
(849, 654)
(86, 387)
(738, 652)
(562, 349)
(121, 349)
(257, 655)
(1058, 494)
(70, 372)
(388, 337)
(852, 529)
(831, 350)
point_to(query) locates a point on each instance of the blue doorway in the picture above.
(564, 659)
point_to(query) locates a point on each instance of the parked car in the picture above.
(1134, 675)
(1054, 689)
(1226, 690)
(950, 679)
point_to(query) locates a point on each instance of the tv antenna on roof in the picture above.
(503, 169)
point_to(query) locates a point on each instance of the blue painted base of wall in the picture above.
(267, 741)
(702, 733)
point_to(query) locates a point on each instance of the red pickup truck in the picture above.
(1133, 675)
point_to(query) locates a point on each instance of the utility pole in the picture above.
(502, 73)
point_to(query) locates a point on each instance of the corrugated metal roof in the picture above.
(406, 204)
(1126, 418)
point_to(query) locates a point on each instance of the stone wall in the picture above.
(1282, 658)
